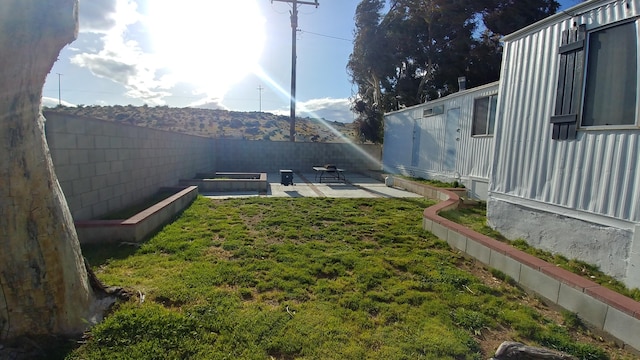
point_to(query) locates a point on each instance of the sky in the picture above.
(217, 54)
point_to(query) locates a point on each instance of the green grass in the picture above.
(307, 278)
(475, 219)
(434, 183)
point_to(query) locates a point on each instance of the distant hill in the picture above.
(218, 123)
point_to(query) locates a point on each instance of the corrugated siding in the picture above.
(407, 131)
(475, 153)
(430, 134)
(597, 172)
(398, 140)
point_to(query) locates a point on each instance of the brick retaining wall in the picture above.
(603, 309)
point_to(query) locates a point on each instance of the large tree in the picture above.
(413, 52)
(417, 50)
(368, 64)
(44, 284)
(506, 16)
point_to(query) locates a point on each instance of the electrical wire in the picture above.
(323, 35)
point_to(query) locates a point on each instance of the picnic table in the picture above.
(330, 171)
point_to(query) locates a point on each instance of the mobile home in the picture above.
(566, 167)
(448, 139)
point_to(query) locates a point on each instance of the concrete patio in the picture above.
(308, 185)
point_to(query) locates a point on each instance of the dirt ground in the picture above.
(490, 340)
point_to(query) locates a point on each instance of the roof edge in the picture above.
(448, 97)
(557, 17)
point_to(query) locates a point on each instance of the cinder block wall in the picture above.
(271, 156)
(104, 166)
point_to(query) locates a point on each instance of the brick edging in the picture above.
(603, 309)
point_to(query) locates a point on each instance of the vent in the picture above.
(462, 83)
(436, 110)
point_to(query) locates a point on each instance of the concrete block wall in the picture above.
(271, 156)
(104, 166)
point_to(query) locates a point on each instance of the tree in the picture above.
(506, 16)
(444, 30)
(369, 121)
(367, 67)
(414, 52)
(418, 49)
(45, 287)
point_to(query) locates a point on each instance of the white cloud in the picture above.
(51, 102)
(151, 49)
(120, 60)
(208, 44)
(97, 16)
(210, 103)
(326, 108)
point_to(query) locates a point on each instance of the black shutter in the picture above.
(570, 77)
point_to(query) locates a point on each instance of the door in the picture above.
(451, 138)
(415, 152)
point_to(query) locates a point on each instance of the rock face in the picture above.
(510, 350)
(44, 288)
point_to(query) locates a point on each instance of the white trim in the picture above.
(560, 210)
(436, 102)
(562, 15)
(608, 127)
(585, 77)
(477, 178)
(474, 115)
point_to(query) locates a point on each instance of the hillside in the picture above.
(218, 123)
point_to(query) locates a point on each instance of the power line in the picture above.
(327, 36)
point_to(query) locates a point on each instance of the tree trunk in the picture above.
(44, 287)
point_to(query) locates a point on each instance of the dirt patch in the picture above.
(218, 252)
(490, 339)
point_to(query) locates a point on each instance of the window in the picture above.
(610, 82)
(612, 77)
(484, 115)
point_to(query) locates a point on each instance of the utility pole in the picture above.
(59, 93)
(260, 88)
(294, 29)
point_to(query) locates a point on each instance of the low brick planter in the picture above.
(605, 310)
(141, 225)
(228, 182)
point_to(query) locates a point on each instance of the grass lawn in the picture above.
(475, 218)
(314, 278)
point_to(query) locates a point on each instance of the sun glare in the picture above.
(211, 44)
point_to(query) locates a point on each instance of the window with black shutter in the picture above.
(570, 77)
(610, 81)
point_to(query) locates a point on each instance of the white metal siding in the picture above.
(599, 171)
(473, 154)
(398, 140)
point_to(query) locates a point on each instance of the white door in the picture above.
(451, 138)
